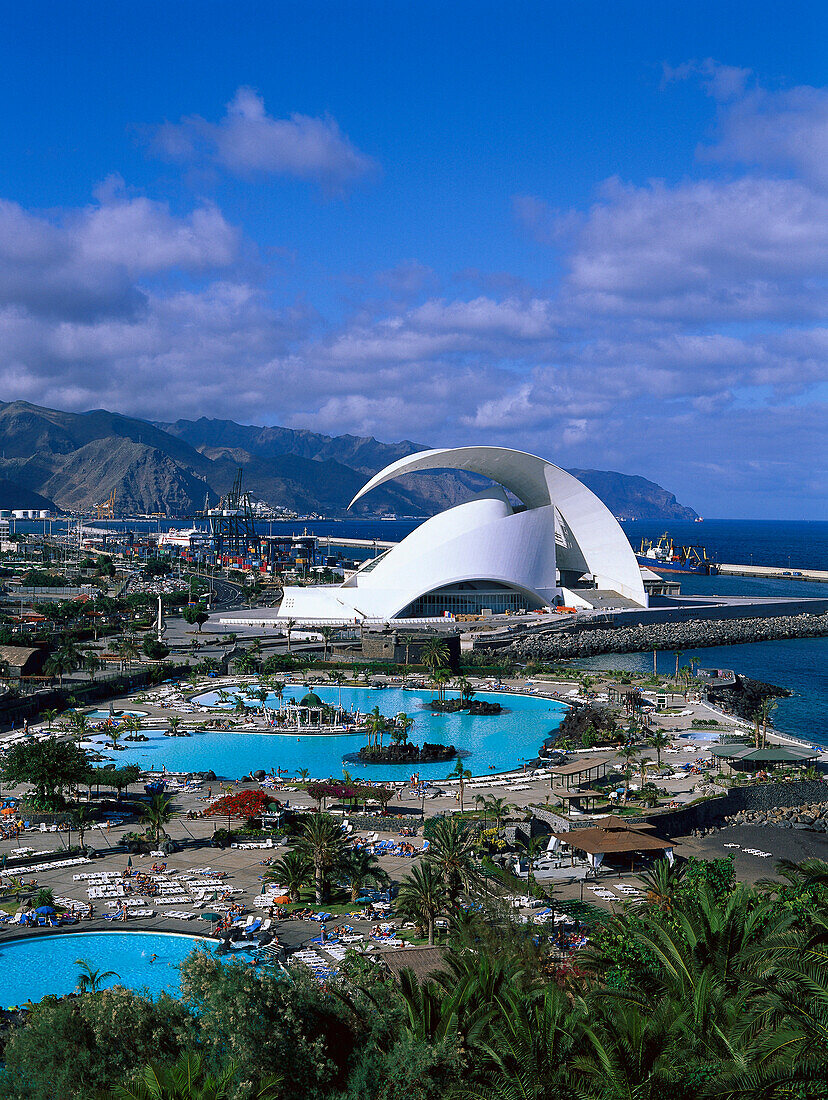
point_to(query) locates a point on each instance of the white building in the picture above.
(559, 544)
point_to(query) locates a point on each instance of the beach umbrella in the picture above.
(45, 910)
(212, 918)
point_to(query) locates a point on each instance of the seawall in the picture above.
(689, 634)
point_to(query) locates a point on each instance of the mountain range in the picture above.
(71, 461)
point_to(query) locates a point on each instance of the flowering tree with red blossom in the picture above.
(245, 805)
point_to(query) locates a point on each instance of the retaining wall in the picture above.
(762, 796)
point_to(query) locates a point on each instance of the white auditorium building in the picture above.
(536, 538)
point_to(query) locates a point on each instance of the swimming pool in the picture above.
(37, 966)
(493, 743)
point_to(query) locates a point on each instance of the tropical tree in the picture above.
(89, 980)
(498, 809)
(662, 883)
(156, 814)
(441, 677)
(189, 1079)
(173, 724)
(375, 726)
(289, 627)
(629, 754)
(49, 716)
(659, 740)
(361, 868)
(461, 774)
(93, 664)
(435, 654)
(292, 872)
(327, 633)
(423, 895)
(451, 852)
(399, 731)
(678, 654)
(50, 766)
(62, 662)
(465, 688)
(321, 841)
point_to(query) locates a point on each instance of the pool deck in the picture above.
(243, 868)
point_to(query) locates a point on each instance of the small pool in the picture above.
(491, 743)
(37, 966)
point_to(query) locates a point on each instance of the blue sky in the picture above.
(594, 231)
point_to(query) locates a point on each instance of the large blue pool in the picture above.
(493, 743)
(34, 967)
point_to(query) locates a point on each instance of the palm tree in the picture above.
(89, 980)
(629, 754)
(440, 677)
(423, 895)
(659, 740)
(327, 633)
(402, 724)
(292, 872)
(678, 655)
(407, 640)
(50, 716)
(115, 734)
(80, 819)
(158, 813)
(321, 841)
(337, 676)
(360, 868)
(289, 626)
(173, 724)
(434, 654)
(467, 692)
(462, 774)
(127, 650)
(303, 773)
(188, 1079)
(93, 664)
(766, 708)
(59, 664)
(532, 845)
(499, 809)
(531, 1047)
(451, 852)
(375, 726)
(662, 884)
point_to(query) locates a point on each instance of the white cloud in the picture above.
(247, 141)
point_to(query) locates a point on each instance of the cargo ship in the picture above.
(665, 557)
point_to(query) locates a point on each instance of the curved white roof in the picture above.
(561, 528)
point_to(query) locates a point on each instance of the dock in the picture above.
(777, 571)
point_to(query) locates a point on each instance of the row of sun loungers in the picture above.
(37, 867)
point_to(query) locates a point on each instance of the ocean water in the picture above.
(798, 664)
(500, 742)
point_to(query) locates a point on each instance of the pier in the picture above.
(777, 571)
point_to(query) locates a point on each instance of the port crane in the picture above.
(106, 510)
(232, 526)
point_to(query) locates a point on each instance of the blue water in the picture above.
(35, 967)
(503, 741)
(798, 664)
(788, 544)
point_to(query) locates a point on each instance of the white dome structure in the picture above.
(559, 545)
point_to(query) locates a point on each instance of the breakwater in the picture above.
(691, 634)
